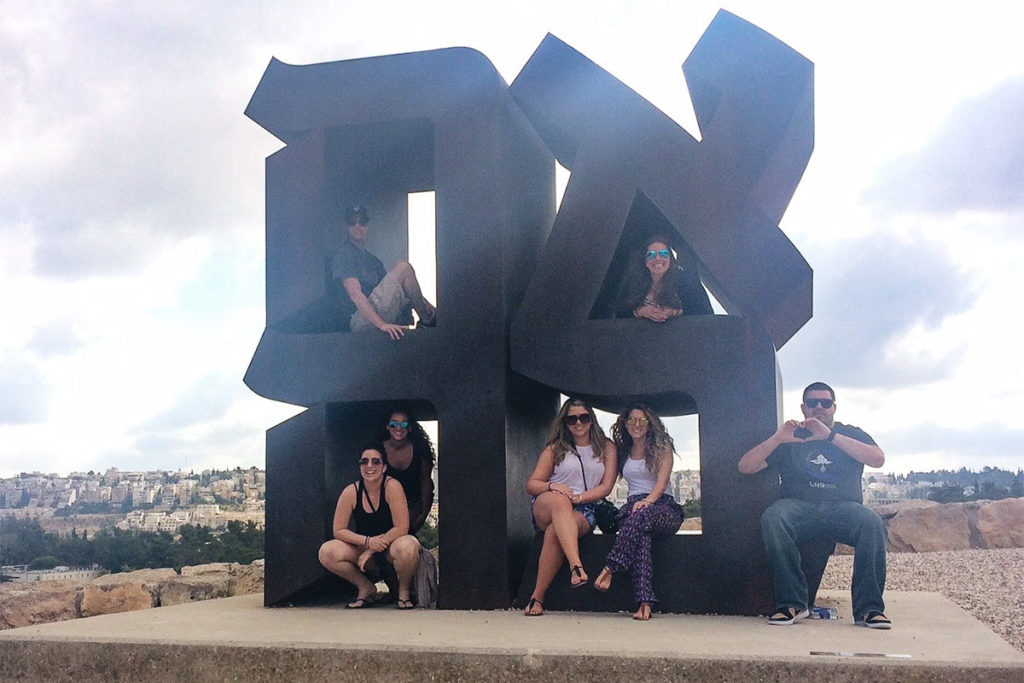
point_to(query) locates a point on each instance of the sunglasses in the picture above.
(404, 424)
(583, 419)
(825, 403)
(363, 462)
(638, 421)
(663, 253)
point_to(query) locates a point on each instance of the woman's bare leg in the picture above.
(340, 558)
(404, 554)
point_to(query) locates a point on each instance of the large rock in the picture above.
(917, 527)
(124, 592)
(38, 602)
(1000, 523)
(249, 578)
(938, 527)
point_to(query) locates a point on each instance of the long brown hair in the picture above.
(561, 439)
(658, 445)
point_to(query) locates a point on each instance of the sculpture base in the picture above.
(238, 639)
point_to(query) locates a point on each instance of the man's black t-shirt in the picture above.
(818, 471)
(351, 261)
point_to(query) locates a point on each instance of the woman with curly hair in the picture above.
(411, 460)
(575, 469)
(656, 288)
(645, 460)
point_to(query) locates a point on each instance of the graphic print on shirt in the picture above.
(819, 470)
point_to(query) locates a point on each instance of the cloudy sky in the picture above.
(131, 209)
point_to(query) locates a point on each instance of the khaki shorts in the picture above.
(388, 299)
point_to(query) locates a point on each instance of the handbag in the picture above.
(605, 513)
(607, 516)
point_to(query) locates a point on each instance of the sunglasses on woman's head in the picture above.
(583, 419)
(394, 424)
(370, 461)
(663, 253)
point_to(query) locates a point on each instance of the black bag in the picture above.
(605, 513)
(607, 516)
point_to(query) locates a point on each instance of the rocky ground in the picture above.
(986, 583)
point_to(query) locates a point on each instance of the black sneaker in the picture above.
(874, 620)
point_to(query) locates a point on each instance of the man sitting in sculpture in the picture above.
(656, 288)
(820, 462)
(371, 296)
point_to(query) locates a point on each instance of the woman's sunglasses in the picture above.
(394, 424)
(583, 419)
(663, 253)
(370, 461)
(637, 421)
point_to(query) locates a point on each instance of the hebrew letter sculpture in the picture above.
(373, 130)
(724, 196)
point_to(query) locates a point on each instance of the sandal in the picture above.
(787, 616)
(576, 577)
(874, 620)
(367, 601)
(602, 585)
(405, 603)
(643, 612)
(529, 608)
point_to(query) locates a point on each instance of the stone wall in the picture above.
(37, 602)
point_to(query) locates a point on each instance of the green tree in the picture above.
(43, 562)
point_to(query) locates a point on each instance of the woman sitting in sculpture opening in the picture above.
(656, 287)
(645, 452)
(376, 506)
(575, 469)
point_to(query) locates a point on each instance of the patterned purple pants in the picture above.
(632, 549)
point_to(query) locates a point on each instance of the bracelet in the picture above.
(549, 486)
(366, 541)
(831, 435)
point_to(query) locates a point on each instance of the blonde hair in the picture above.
(561, 440)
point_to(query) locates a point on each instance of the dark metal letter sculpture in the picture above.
(633, 169)
(373, 130)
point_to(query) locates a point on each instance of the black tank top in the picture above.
(409, 478)
(372, 523)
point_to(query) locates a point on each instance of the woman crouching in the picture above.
(379, 535)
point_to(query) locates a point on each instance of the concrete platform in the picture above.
(238, 639)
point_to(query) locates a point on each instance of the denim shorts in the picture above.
(585, 509)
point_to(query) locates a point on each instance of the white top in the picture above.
(570, 473)
(641, 480)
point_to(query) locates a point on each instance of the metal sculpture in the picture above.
(516, 305)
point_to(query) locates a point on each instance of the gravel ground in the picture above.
(987, 583)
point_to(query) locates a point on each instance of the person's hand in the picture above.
(785, 434)
(641, 504)
(564, 489)
(393, 331)
(363, 558)
(658, 314)
(817, 429)
(377, 544)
